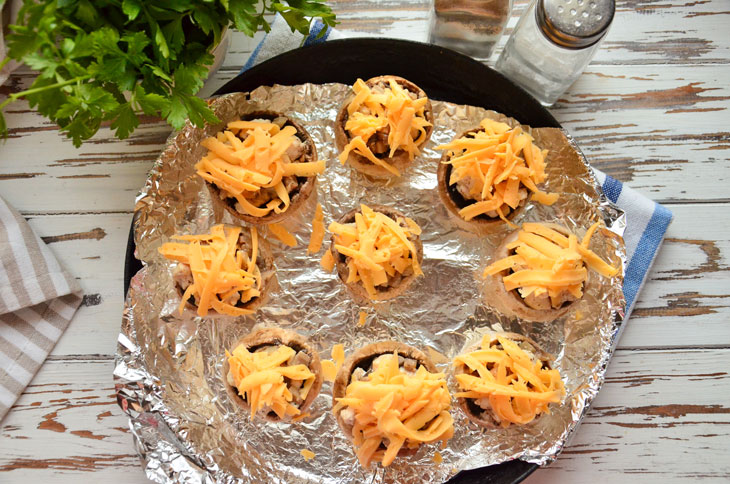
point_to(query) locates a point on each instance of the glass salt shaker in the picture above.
(472, 27)
(552, 43)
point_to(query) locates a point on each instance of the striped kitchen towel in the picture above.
(37, 301)
(646, 224)
(647, 221)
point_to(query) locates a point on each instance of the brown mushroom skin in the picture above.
(356, 288)
(306, 184)
(363, 358)
(400, 159)
(511, 302)
(454, 201)
(488, 419)
(277, 336)
(265, 263)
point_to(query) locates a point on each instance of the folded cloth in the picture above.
(37, 301)
(646, 220)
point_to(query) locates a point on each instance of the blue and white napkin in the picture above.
(646, 220)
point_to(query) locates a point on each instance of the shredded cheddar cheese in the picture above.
(261, 379)
(331, 367)
(494, 166)
(362, 318)
(327, 261)
(377, 247)
(338, 355)
(547, 263)
(252, 170)
(373, 110)
(315, 241)
(437, 458)
(307, 454)
(223, 275)
(395, 409)
(517, 386)
(329, 371)
(281, 233)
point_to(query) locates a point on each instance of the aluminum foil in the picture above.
(169, 367)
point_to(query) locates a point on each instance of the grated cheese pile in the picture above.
(394, 409)
(223, 274)
(391, 108)
(260, 378)
(517, 386)
(377, 247)
(546, 261)
(493, 166)
(244, 168)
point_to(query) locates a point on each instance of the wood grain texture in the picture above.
(70, 406)
(651, 109)
(687, 287)
(660, 128)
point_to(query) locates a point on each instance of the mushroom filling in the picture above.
(363, 371)
(505, 382)
(491, 170)
(542, 300)
(481, 407)
(297, 152)
(378, 142)
(404, 406)
(465, 192)
(182, 276)
(394, 279)
(217, 271)
(272, 378)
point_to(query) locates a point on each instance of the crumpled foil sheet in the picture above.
(169, 367)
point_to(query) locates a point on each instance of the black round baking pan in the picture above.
(444, 75)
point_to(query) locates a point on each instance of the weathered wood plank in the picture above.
(685, 302)
(92, 248)
(643, 32)
(67, 424)
(661, 417)
(613, 113)
(615, 116)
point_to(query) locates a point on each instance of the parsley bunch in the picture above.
(111, 60)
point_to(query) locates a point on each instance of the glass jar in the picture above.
(472, 27)
(552, 43)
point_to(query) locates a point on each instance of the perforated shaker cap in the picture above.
(574, 24)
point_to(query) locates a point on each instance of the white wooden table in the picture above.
(651, 110)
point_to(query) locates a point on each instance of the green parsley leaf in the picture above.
(244, 16)
(131, 8)
(125, 121)
(110, 60)
(150, 103)
(175, 112)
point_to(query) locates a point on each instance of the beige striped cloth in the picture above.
(37, 301)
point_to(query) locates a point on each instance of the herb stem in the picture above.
(15, 96)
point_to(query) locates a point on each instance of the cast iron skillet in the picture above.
(444, 74)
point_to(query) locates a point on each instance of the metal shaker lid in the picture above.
(574, 24)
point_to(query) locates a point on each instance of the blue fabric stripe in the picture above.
(252, 59)
(645, 252)
(249, 63)
(612, 188)
(314, 31)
